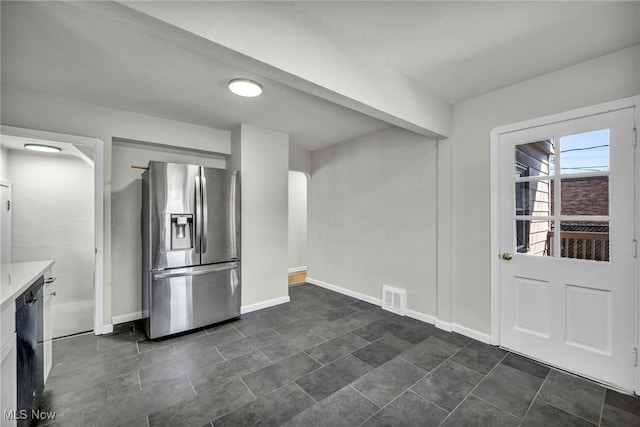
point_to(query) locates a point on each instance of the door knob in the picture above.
(507, 256)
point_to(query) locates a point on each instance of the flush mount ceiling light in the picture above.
(245, 87)
(42, 148)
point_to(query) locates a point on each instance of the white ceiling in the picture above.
(17, 143)
(456, 50)
(459, 50)
(70, 51)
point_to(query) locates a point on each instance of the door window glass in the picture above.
(572, 172)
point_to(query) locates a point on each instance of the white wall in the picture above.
(297, 220)
(36, 110)
(126, 203)
(299, 159)
(600, 80)
(52, 203)
(262, 157)
(372, 216)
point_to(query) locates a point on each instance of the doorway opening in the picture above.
(297, 227)
(57, 214)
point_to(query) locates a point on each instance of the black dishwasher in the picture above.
(29, 333)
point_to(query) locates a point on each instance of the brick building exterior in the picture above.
(585, 196)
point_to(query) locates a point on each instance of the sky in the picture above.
(585, 152)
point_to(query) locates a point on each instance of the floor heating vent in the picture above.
(394, 300)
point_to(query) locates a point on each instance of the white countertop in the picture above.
(17, 277)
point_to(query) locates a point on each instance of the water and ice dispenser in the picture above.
(181, 231)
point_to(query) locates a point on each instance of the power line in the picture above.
(585, 148)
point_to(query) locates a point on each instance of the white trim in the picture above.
(124, 318)
(344, 291)
(592, 110)
(445, 326)
(421, 317)
(631, 102)
(296, 269)
(98, 325)
(637, 230)
(471, 333)
(495, 244)
(264, 304)
(449, 327)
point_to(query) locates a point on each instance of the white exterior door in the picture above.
(567, 269)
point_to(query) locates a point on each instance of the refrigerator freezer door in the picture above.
(172, 199)
(221, 215)
(188, 298)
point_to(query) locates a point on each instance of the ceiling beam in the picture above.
(272, 40)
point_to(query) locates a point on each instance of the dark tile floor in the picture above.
(324, 359)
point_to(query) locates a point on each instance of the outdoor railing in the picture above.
(580, 245)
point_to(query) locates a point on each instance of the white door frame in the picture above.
(98, 180)
(495, 247)
(6, 184)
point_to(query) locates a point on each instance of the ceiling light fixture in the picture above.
(245, 87)
(43, 148)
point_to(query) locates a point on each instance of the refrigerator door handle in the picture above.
(232, 215)
(195, 271)
(205, 215)
(198, 214)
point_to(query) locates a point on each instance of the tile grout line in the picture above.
(242, 406)
(604, 399)
(221, 355)
(476, 386)
(245, 384)
(267, 357)
(564, 410)
(535, 397)
(500, 409)
(322, 365)
(191, 384)
(390, 402)
(305, 392)
(427, 400)
(366, 397)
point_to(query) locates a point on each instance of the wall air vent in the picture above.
(394, 300)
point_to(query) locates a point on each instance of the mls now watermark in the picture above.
(23, 414)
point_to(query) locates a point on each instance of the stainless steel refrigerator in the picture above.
(190, 247)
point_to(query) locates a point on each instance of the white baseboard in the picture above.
(421, 316)
(264, 304)
(116, 320)
(106, 329)
(343, 291)
(471, 333)
(296, 269)
(446, 326)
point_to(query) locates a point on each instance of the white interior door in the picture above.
(567, 282)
